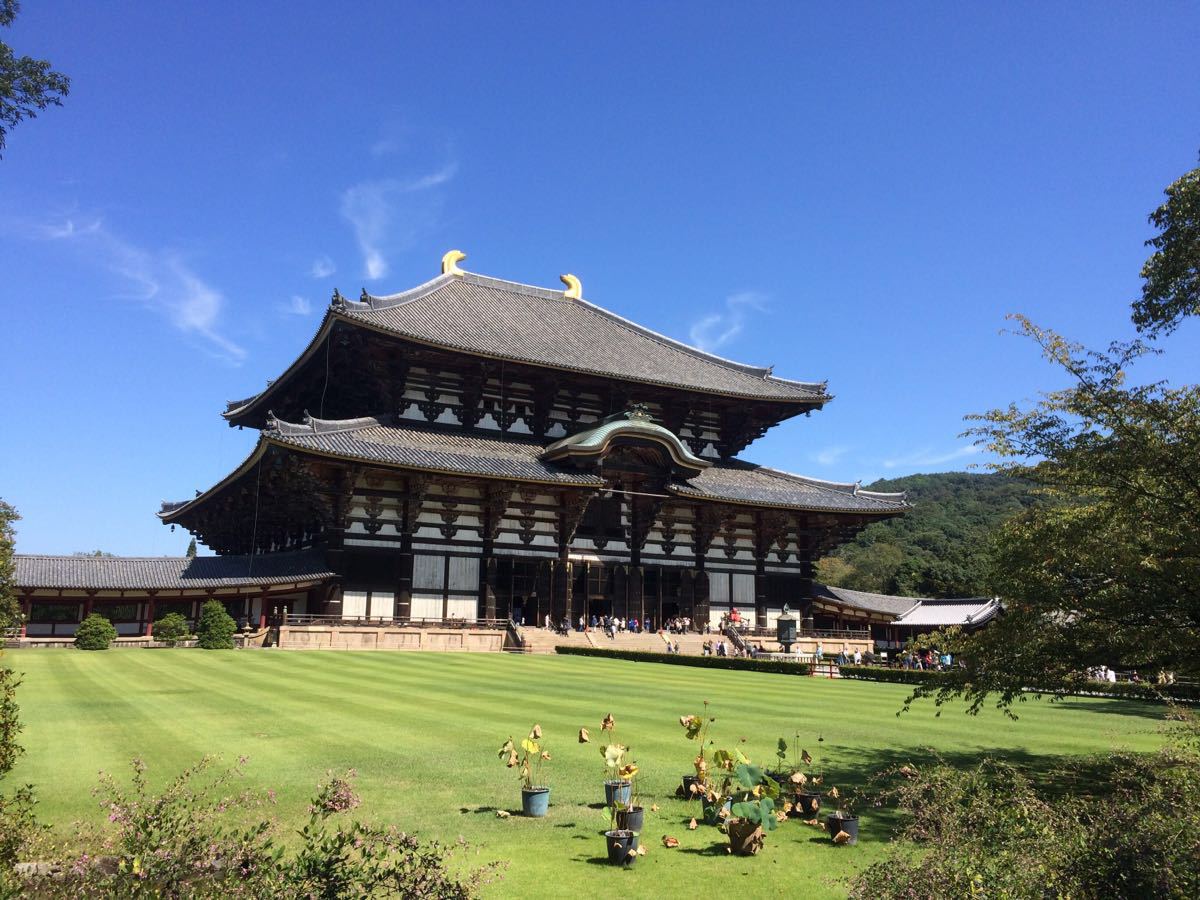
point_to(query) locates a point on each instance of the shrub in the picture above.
(95, 633)
(171, 629)
(1121, 826)
(181, 843)
(216, 628)
(703, 662)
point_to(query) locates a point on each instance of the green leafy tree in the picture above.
(27, 85)
(95, 633)
(171, 629)
(1171, 276)
(191, 548)
(9, 608)
(1107, 570)
(216, 628)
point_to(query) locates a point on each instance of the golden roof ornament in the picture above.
(574, 289)
(450, 262)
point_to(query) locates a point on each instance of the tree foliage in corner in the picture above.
(1171, 276)
(1108, 571)
(27, 85)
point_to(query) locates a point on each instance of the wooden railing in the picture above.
(392, 622)
(850, 634)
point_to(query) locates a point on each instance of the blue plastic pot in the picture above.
(535, 801)
(617, 792)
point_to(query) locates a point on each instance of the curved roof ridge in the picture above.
(884, 495)
(313, 425)
(383, 301)
(843, 487)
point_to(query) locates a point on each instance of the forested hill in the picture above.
(939, 548)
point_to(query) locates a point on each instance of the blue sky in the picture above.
(851, 192)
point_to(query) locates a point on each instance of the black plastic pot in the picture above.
(622, 849)
(688, 781)
(808, 804)
(631, 819)
(837, 823)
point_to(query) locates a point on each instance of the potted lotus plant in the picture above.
(535, 796)
(620, 795)
(711, 767)
(752, 796)
(800, 790)
(842, 825)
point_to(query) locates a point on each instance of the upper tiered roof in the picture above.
(491, 318)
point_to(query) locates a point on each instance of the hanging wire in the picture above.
(254, 528)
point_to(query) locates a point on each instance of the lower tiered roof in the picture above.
(387, 442)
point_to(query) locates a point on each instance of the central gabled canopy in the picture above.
(630, 428)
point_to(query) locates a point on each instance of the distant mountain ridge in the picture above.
(938, 549)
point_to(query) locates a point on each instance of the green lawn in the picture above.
(422, 730)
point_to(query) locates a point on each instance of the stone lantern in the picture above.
(786, 629)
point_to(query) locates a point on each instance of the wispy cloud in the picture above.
(930, 457)
(710, 332)
(69, 228)
(297, 306)
(372, 208)
(829, 455)
(322, 267)
(384, 146)
(160, 280)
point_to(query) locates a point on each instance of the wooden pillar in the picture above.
(636, 592)
(26, 611)
(262, 610)
(760, 592)
(404, 574)
(544, 590)
(88, 603)
(562, 604)
(148, 627)
(700, 607)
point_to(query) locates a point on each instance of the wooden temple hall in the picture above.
(478, 449)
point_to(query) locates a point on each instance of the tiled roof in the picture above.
(391, 442)
(940, 613)
(374, 440)
(518, 322)
(168, 572)
(919, 612)
(762, 486)
(876, 603)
